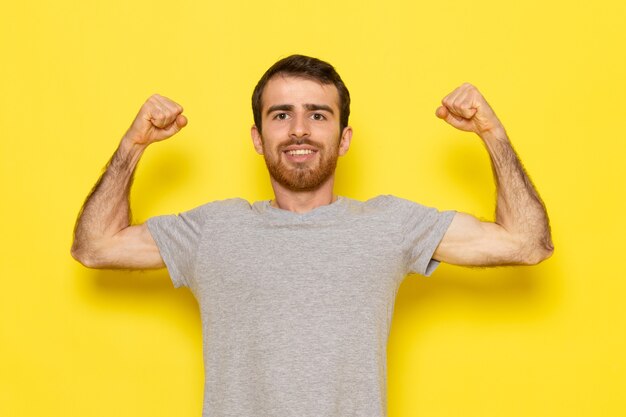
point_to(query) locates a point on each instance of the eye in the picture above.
(318, 116)
(281, 116)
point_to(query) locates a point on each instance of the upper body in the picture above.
(296, 308)
(302, 110)
(296, 294)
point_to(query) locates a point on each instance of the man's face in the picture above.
(301, 141)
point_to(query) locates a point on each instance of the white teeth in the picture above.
(300, 152)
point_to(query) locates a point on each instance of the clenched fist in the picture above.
(158, 119)
(466, 109)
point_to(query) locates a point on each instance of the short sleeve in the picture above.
(178, 238)
(422, 229)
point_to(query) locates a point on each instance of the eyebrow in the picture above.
(290, 107)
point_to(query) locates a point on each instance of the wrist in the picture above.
(127, 155)
(128, 145)
(497, 134)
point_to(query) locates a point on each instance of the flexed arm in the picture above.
(103, 236)
(520, 234)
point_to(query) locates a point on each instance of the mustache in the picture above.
(299, 142)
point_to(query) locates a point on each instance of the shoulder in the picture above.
(392, 202)
(210, 210)
(404, 210)
(227, 204)
(383, 206)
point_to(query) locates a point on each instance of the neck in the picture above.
(303, 201)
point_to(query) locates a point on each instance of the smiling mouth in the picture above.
(300, 152)
(300, 155)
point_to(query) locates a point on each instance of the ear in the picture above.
(256, 139)
(346, 138)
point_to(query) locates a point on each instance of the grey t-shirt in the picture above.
(296, 308)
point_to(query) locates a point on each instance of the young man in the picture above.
(296, 294)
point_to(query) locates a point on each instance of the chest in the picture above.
(298, 266)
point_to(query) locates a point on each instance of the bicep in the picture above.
(131, 248)
(472, 242)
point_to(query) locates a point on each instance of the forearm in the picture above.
(106, 210)
(519, 209)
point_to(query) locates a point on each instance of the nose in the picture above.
(299, 127)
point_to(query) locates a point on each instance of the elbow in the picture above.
(79, 255)
(83, 256)
(539, 253)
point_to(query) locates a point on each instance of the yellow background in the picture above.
(537, 341)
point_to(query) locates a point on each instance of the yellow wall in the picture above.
(537, 341)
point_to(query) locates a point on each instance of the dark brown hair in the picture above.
(305, 67)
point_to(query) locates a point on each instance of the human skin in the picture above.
(300, 113)
(520, 234)
(103, 234)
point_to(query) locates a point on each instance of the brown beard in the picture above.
(303, 176)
